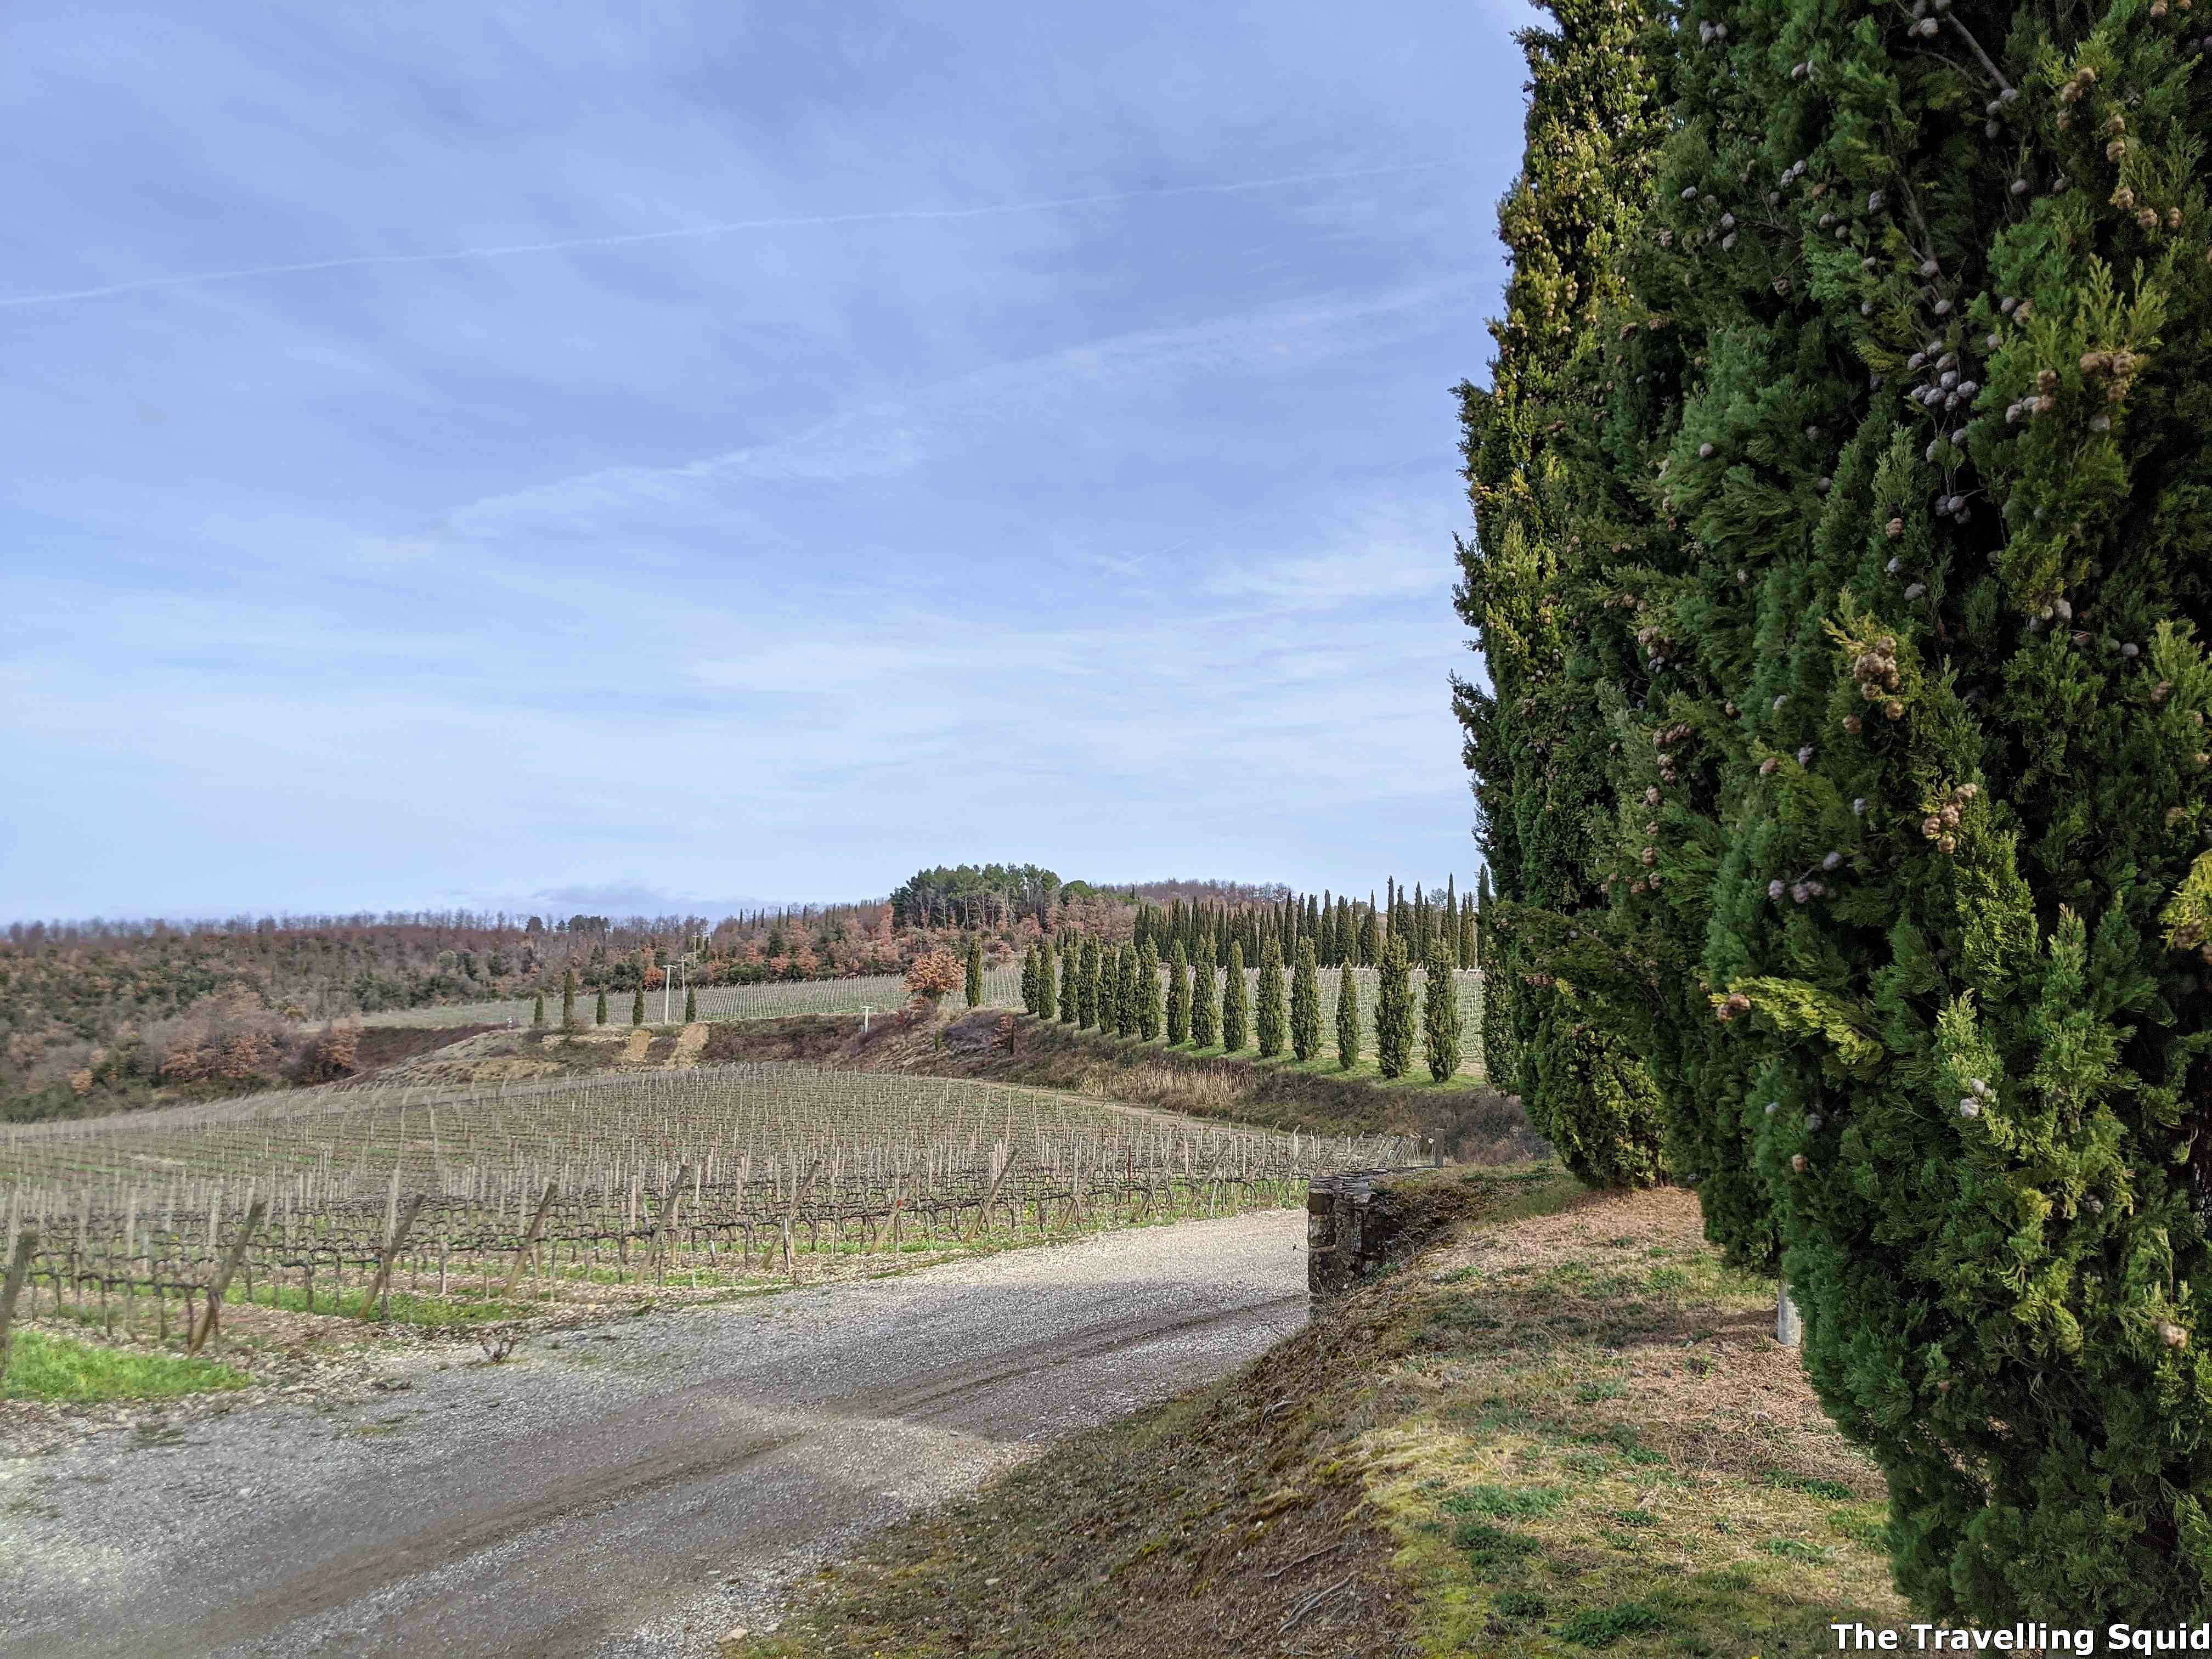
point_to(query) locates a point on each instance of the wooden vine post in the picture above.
(210, 1317)
(529, 1240)
(19, 1269)
(392, 1248)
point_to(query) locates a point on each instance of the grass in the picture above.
(59, 1368)
(1504, 1450)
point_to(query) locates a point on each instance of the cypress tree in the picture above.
(637, 1005)
(974, 987)
(1178, 996)
(1305, 1005)
(1440, 1013)
(1393, 1011)
(1046, 1002)
(1070, 976)
(1205, 1011)
(1086, 986)
(1030, 980)
(1536, 737)
(1235, 1002)
(1151, 1015)
(1125, 999)
(538, 1011)
(1347, 1017)
(1269, 1023)
(600, 1014)
(1370, 938)
(569, 1000)
(690, 1005)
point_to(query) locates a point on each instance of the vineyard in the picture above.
(580, 1190)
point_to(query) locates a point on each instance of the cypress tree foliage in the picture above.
(1269, 1023)
(974, 985)
(1151, 1014)
(1236, 1000)
(637, 1006)
(1030, 980)
(1205, 1010)
(1949, 852)
(1071, 976)
(690, 1005)
(1909, 735)
(1542, 758)
(1305, 1005)
(1086, 986)
(1178, 1013)
(569, 1000)
(1440, 1012)
(1393, 1011)
(538, 1011)
(1127, 1000)
(1046, 1002)
(600, 1014)
(1370, 938)
(1347, 1020)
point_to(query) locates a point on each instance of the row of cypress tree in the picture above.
(1120, 990)
(1340, 928)
(1842, 566)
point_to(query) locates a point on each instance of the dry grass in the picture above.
(1565, 1427)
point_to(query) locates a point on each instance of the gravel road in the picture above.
(634, 1492)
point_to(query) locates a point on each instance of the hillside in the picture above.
(1563, 1423)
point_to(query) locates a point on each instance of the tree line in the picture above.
(1842, 568)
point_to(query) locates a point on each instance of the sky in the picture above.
(632, 458)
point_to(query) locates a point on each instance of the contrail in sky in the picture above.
(565, 243)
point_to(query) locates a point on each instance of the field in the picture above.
(451, 1205)
(1002, 988)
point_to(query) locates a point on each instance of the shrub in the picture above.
(934, 974)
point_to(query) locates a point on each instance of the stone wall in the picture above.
(1353, 1220)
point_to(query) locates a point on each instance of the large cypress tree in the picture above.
(1178, 996)
(1070, 975)
(690, 1004)
(1370, 941)
(1536, 741)
(1269, 1024)
(637, 1005)
(1205, 1010)
(1030, 980)
(1440, 1012)
(1087, 986)
(975, 985)
(1151, 1015)
(1305, 1005)
(1236, 1000)
(1125, 991)
(538, 1011)
(569, 1000)
(1347, 1017)
(1911, 740)
(1393, 1011)
(600, 1014)
(1048, 1003)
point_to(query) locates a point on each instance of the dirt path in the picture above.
(634, 1491)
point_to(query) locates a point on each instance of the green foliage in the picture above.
(1178, 1010)
(973, 988)
(1150, 1016)
(1030, 980)
(538, 1011)
(1393, 1009)
(1070, 978)
(1086, 984)
(1347, 1020)
(1440, 1012)
(599, 1009)
(1235, 1002)
(58, 1368)
(637, 1006)
(690, 1005)
(1047, 1000)
(1205, 1010)
(1269, 1022)
(1305, 1005)
(1843, 578)
(569, 1000)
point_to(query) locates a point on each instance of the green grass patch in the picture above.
(1834, 1491)
(1486, 1546)
(1599, 1628)
(1506, 1502)
(1796, 1549)
(42, 1367)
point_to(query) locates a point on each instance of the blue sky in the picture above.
(610, 457)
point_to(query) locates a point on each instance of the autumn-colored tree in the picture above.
(934, 974)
